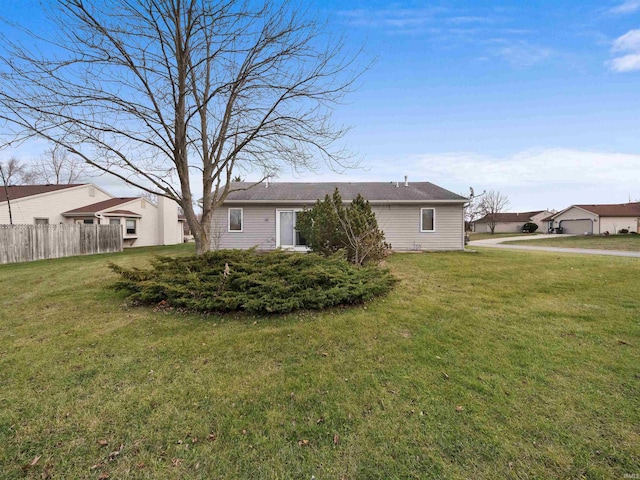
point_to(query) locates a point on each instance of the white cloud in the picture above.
(522, 54)
(434, 21)
(532, 179)
(629, 6)
(574, 167)
(539, 178)
(629, 43)
(397, 19)
(627, 63)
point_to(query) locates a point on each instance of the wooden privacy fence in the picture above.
(25, 243)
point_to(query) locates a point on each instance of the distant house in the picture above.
(512, 222)
(597, 219)
(413, 216)
(143, 223)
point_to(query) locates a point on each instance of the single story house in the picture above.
(509, 222)
(597, 219)
(143, 223)
(414, 216)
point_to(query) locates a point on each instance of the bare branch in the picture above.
(163, 93)
(492, 203)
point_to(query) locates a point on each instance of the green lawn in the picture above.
(483, 365)
(599, 242)
(484, 236)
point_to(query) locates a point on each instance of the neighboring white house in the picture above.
(597, 219)
(414, 216)
(143, 223)
(510, 222)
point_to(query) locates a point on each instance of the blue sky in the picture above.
(539, 100)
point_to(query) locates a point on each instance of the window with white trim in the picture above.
(236, 219)
(427, 219)
(131, 226)
(41, 221)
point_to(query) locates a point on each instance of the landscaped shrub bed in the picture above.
(236, 280)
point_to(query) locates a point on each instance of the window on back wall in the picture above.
(427, 219)
(235, 219)
(131, 226)
(41, 221)
(114, 221)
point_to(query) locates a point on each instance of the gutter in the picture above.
(372, 202)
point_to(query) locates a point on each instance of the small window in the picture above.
(131, 227)
(235, 219)
(42, 221)
(88, 221)
(427, 219)
(114, 221)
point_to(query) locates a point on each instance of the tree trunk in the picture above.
(202, 235)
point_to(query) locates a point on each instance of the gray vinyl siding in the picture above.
(400, 223)
(258, 227)
(401, 227)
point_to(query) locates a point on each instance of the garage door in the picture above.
(577, 226)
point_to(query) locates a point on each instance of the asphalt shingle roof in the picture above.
(614, 210)
(372, 191)
(100, 206)
(508, 217)
(21, 191)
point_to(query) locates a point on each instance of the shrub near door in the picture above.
(329, 227)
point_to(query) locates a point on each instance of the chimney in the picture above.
(406, 181)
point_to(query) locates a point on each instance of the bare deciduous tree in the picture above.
(151, 197)
(5, 184)
(56, 166)
(15, 173)
(472, 210)
(164, 93)
(491, 204)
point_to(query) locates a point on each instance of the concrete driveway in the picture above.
(497, 243)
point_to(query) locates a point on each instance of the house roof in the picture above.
(99, 207)
(21, 191)
(310, 192)
(508, 217)
(614, 210)
(607, 210)
(122, 213)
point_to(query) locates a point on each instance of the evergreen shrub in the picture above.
(245, 280)
(330, 227)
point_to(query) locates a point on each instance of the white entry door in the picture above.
(286, 234)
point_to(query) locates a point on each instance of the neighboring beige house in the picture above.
(597, 219)
(414, 216)
(509, 222)
(143, 223)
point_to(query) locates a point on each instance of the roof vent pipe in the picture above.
(266, 183)
(397, 184)
(406, 181)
